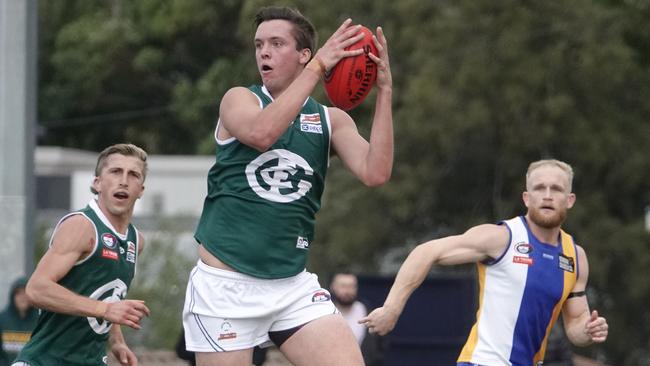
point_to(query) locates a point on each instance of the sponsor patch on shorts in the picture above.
(321, 296)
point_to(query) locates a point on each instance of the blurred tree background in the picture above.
(481, 88)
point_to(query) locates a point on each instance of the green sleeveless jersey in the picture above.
(258, 216)
(104, 275)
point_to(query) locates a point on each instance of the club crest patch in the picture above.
(109, 240)
(524, 248)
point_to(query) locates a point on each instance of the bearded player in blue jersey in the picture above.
(530, 271)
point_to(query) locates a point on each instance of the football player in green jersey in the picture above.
(273, 145)
(82, 280)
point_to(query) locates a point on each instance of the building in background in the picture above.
(175, 185)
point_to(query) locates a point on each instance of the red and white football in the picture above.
(348, 83)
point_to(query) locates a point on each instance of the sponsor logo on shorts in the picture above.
(321, 296)
(226, 331)
(110, 254)
(523, 248)
(522, 260)
(225, 336)
(109, 240)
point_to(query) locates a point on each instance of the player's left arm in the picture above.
(582, 326)
(370, 161)
(120, 350)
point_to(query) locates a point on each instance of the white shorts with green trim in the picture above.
(229, 311)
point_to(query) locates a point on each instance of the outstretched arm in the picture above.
(371, 162)
(582, 326)
(74, 240)
(478, 243)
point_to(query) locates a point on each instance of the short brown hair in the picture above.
(122, 149)
(303, 31)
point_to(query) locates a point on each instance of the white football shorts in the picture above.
(229, 311)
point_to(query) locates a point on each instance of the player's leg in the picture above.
(309, 330)
(231, 358)
(224, 317)
(323, 342)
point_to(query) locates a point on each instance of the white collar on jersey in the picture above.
(95, 207)
(268, 94)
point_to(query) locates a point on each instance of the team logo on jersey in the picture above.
(109, 240)
(321, 295)
(524, 248)
(105, 360)
(275, 176)
(566, 263)
(111, 292)
(548, 256)
(302, 243)
(311, 123)
(522, 260)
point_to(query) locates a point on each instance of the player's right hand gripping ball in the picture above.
(348, 83)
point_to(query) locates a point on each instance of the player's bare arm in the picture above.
(372, 161)
(259, 128)
(476, 244)
(73, 241)
(582, 326)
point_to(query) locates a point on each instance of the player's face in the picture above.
(278, 61)
(120, 183)
(548, 196)
(344, 287)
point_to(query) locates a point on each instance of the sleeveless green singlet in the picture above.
(64, 340)
(258, 216)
